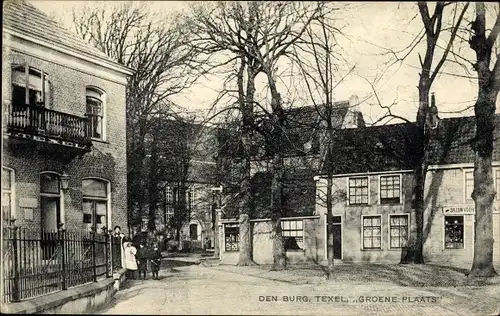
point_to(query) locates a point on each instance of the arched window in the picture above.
(95, 112)
(95, 203)
(29, 86)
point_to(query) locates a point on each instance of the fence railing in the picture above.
(38, 262)
(40, 121)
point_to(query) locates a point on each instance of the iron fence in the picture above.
(38, 262)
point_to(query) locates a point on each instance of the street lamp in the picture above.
(65, 180)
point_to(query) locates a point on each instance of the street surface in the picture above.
(196, 289)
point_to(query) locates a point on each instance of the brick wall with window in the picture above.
(65, 91)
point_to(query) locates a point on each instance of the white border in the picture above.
(389, 229)
(348, 191)
(362, 232)
(401, 199)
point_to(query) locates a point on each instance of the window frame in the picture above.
(293, 230)
(444, 233)
(93, 223)
(45, 89)
(102, 99)
(400, 189)
(12, 193)
(363, 232)
(407, 230)
(349, 191)
(468, 199)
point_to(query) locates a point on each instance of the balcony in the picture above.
(36, 123)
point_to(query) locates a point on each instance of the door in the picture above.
(50, 218)
(337, 237)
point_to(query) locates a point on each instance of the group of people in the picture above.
(138, 258)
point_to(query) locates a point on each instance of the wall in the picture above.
(444, 187)
(107, 159)
(262, 243)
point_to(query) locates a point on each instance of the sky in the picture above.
(369, 27)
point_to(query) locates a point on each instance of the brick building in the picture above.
(63, 114)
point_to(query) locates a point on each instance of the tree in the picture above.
(319, 67)
(434, 30)
(163, 65)
(488, 71)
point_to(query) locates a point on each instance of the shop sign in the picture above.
(463, 209)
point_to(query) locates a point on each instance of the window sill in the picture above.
(358, 205)
(371, 249)
(391, 204)
(99, 140)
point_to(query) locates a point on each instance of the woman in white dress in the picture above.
(130, 261)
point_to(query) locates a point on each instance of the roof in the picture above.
(393, 147)
(24, 18)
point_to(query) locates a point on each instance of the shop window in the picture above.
(358, 191)
(29, 86)
(372, 232)
(398, 231)
(293, 234)
(232, 237)
(95, 113)
(390, 189)
(95, 204)
(454, 232)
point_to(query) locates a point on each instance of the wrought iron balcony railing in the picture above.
(39, 121)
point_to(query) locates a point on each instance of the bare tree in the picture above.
(318, 62)
(487, 67)
(163, 67)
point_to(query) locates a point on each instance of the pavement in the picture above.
(187, 288)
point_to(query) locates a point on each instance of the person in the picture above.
(155, 261)
(130, 260)
(118, 240)
(142, 261)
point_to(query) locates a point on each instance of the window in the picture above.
(358, 191)
(232, 237)
(29, 86)
(95, 113)
(398, 231)
(293, 234)
(390, 189)
(372, 232)
(7, 194)
(95, 204)
(193, 231)
(191, 197)
(454, 232)
(469, 184)
(169, 205)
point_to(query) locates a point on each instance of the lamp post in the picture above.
(65, 181)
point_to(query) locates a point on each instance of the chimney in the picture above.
(354, 103)
(433, 113)
(433, 100)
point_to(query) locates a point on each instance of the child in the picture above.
(142, 261)
(155, 261)
(130, 262)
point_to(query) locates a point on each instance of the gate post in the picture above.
(107, 249)
(94, 268)
(60, 239)
(15, 283)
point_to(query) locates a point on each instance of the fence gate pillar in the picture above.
(15, 283)
(93, 232)
(62, 256)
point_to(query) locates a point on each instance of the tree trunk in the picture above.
(484, 191)
(246, 107)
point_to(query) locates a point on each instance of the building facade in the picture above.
(63, 114)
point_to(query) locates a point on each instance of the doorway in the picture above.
(337, 238)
